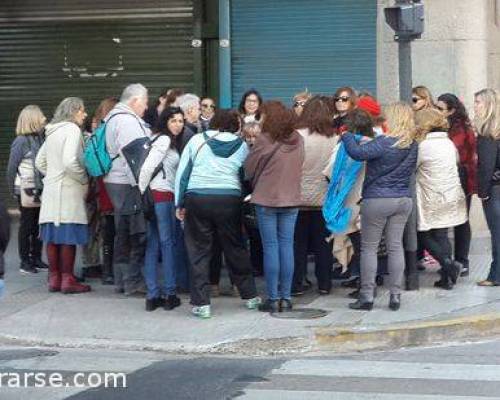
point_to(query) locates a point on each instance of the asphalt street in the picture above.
(452, 372)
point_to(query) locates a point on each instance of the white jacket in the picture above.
(160, 153)
(440, 197)
(120, 131)
(65, 182)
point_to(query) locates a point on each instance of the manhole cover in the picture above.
(301, 313)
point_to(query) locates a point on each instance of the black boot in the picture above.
(395, 302)
(411, 271)
(285, 305)
(444, 282)
(361, 305)
(270, 306)
(107, 265)
(453, 269)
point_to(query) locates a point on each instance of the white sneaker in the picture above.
(254, 303)
(202, 311)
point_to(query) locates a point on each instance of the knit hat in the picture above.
(370, 105)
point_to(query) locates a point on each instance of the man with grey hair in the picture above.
(190, 105)
(125, 125)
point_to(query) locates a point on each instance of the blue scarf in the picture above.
(345, 172)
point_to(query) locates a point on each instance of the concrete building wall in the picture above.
(459, 51)
(494, 44)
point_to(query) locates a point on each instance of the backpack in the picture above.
(96, 158)
(135, 154)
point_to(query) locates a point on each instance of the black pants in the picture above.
(463, 237)
(30, 246)
(436, 242)
(216, 263)
(310, 235)
(209, 217)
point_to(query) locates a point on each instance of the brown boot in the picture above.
(69, 284)
(54, 278)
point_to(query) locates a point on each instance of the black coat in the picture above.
(4, 235)
(488, 165)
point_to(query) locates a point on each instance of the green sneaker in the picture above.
(253, 304)
(201, 311)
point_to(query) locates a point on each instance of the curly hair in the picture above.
(459, 117)
(279, 121)
(317, 117)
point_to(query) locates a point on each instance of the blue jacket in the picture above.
(388, 168)
(215, 168)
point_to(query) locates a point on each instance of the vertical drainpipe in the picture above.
(225, 54)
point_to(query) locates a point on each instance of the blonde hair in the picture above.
(305, 95)
(424, 93)
(401, 124)
(429, 120)
(31, 120)
(488, 123)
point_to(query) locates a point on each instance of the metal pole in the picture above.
(405, 70)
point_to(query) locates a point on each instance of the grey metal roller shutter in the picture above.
(90, 49)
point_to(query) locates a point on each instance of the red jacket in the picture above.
(465, 142)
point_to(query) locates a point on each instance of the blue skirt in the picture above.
(75, 234)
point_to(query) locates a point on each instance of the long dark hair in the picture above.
(241, 107)
(460, 117)
(317, 117)
(161, 127)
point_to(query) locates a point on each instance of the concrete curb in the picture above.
(342, 339)
(350, 339)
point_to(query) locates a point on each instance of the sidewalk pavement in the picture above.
(29, 315)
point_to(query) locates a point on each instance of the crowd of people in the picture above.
(357, 190)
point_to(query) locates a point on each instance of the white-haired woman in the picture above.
(63, 217)
(487, 123)
(24, 182)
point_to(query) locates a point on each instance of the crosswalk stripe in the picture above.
(301, 395)
(389, 369)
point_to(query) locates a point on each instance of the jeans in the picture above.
(390, 214)
(277, 227)
(491, 209)
(160, 238)
(210, 218)
(310, 234)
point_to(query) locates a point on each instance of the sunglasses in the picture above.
(299, 104)
(343, 99)
(208, 106)
(415, 99)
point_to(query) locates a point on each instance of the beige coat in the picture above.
(65, 182)
(318, 153)
(440, 197)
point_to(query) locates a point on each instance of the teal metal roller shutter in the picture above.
(282, 47)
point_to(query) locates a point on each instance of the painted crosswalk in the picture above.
(318, 379)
